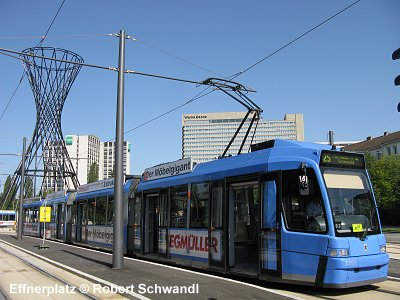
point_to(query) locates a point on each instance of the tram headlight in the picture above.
(339, 252)
(383, 249)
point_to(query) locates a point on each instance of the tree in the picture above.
(93, 174)
(28, 187)
(385, 177)
(7, 197)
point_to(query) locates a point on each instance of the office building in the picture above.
(84, 150)
(205, 136)
(108, 159)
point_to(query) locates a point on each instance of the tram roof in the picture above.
(249, 163)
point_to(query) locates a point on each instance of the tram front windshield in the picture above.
(351, 201)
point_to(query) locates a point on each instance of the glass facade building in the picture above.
(205, 136)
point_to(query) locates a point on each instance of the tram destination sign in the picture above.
(174, 168)
(342, 160)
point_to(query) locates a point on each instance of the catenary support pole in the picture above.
(118, 230)
(21, 192)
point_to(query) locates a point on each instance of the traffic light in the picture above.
(396, 55)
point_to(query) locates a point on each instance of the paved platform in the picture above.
(24, 276)
(141, 279)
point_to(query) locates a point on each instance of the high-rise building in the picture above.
(53, 178)
(108, 159)
(84, 150)
(205, 136)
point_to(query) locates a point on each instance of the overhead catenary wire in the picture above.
(263, 59)
(6, 51)
(198, 96)
(130, 37)
(51, 24)
(294, 40)
(56, 36)
(230, 77)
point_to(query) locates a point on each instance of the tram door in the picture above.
(243, 224)
(270, 254)
(151, 215)
(216, 232)
(60, 222)
(80, 221)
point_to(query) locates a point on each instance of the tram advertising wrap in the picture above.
(99, 234)
(31, 229)
(194, 243)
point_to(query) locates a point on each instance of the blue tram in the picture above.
(7, 220)
(82, 217)
(55, 229)
(288, 211)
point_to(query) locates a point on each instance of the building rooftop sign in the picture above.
(174, 168)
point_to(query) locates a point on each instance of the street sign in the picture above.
(45, 214)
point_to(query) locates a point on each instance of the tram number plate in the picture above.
(338, 225)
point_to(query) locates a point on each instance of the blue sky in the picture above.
(340, 76)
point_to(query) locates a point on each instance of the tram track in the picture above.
(41, 270)
(93, 285)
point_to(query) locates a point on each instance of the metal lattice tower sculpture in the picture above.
(46, 155)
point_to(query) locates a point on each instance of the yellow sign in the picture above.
(45, 214)
(357, 227)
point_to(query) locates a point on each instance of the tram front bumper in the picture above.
(356, 271)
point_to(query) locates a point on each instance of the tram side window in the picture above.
(73, 215)
(27, 214)
(7, 217)
(199, 201)
(110, 211)
(32, 215)
(61, 212)
(302, 212)
(217, 194)
(137, 212)
(178, 216)
(101, 211)
(91, 212)
(163, 213)
(53, 213)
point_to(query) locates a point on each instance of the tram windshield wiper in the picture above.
(365, 232)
